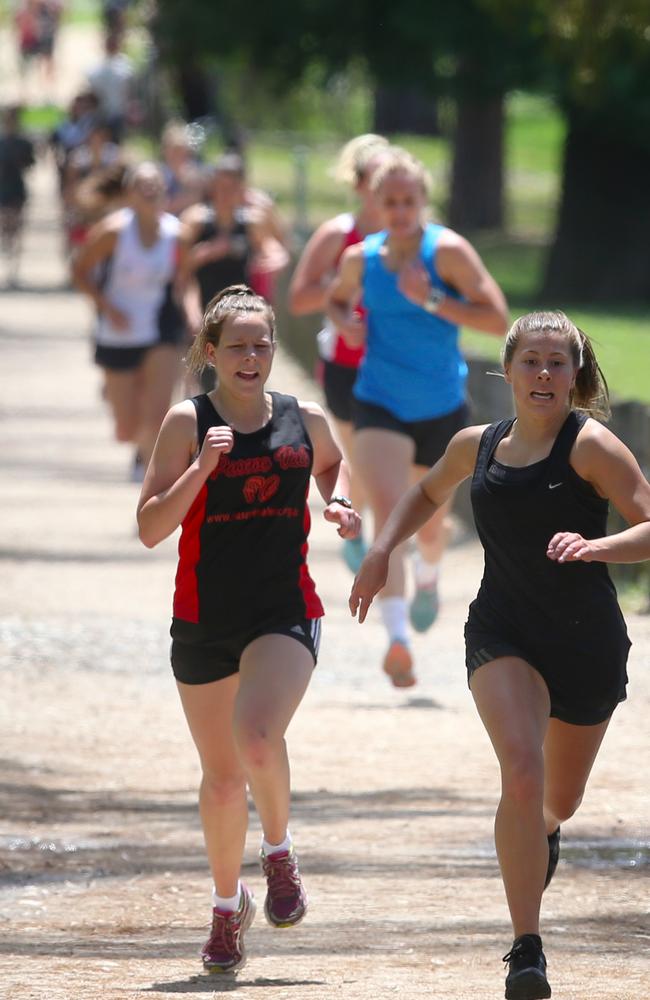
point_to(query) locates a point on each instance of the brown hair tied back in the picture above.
(235, 300)
(591, 392)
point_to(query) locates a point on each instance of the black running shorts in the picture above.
(338, 383)
(430, 437)
(211, 659)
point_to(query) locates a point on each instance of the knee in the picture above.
(562, 803)
(522, 777)
(256, 749)
(223, 790)
(125, 431)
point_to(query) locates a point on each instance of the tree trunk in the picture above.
(600, 251)
(404, 110)
(476, 200)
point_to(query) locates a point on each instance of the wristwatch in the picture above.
(433, 301)
(343, 501)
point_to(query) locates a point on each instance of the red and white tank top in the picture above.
(331, 344)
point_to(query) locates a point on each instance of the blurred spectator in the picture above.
(112, 82)
(114, 15)
(184, 182)
(37, 23)
(16, 156)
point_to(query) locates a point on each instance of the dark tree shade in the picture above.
(600, 251)
(477, 171)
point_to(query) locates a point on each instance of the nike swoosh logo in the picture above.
(554, 486)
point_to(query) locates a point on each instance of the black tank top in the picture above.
(232, 269)
(517, 511)
(243, 546)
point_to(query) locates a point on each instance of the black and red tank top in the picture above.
(243, 545)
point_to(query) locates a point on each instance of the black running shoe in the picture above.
(526, 979)
(553, 855)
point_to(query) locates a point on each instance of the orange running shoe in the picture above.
(398, 664)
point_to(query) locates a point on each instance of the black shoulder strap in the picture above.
(490, 438)
(566, 438)
(206, 416)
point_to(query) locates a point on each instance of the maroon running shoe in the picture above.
(224, 950)
(286, 899)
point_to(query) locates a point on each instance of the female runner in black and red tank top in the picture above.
(546, 643)
(232, 467)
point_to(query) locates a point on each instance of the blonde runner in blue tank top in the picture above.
(413, 366)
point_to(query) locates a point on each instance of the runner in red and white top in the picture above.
(307, 294)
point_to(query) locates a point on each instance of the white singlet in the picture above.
(137, 281)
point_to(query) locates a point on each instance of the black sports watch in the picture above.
(433, 301)
(343, 501)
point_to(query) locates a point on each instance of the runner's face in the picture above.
(243, 357)
(227, 191)
(148, 193)
(542, 372)
(402, 201)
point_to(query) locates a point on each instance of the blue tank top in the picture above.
(413, 366)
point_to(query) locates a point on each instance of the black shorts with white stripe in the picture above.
(204, 660)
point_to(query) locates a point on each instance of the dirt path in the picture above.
(104, 891)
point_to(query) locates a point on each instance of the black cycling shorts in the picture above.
(430, 437)
(338, 383)
(585, 682)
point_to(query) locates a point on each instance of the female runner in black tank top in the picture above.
(224, 238)
(546, 641)
(233, 467)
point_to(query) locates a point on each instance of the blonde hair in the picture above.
(591, 392)
(354, 158)
(176, 133)
(232, 301)
(148, 168)
(400, 161)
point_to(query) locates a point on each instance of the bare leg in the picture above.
(513, 703)
(159, 373)
(122, 392)
(223, 805)
(569, 755)
(275, 671)
(384, 459)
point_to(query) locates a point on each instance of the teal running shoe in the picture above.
(424, 608)
(354, 552)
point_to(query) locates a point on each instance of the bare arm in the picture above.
(483, 306)
(97, 248)
(175, 476)
(343, 295)
(413, 510)
(313, 273)
(330, 471)
(609, 465)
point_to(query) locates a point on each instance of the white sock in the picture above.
(274, 848)
(395, 617)
(426, 573)
(227, 902)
